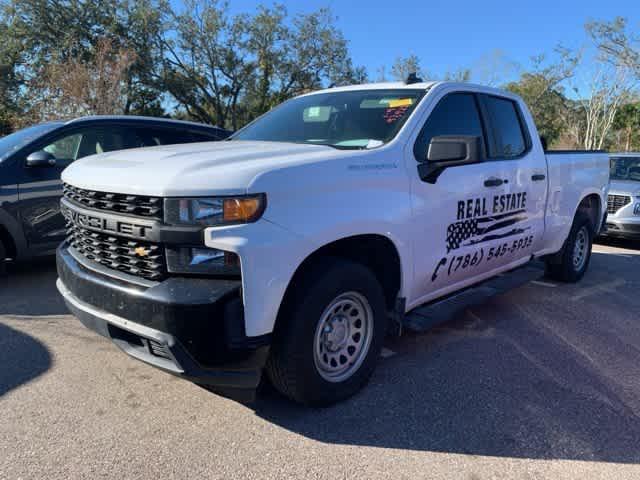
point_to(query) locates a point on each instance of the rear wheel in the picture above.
(330, 335)
(571, 263)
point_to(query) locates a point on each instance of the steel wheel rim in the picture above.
(343, 337)
(580, 249)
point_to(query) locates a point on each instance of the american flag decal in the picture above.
(484, 229)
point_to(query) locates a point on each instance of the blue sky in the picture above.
(456, 34)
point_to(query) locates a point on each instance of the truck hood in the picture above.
(196, 169)
(624, 187)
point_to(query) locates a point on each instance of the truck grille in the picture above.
(142, 259)
(616, 202)
(143, 206)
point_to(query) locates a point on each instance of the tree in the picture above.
(495, 68)
(73, 86)
(10, 75)
(70, 32)
(227, 70)
(627, 124)
(403, 66)
(542, 90)
(137, 29)
(616, 44)
(612, 79)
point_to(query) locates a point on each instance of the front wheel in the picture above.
(571, 263)
(330, 335)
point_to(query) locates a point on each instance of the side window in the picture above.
(507, 127)
(107, 139)
(65, 148)
(204, 137)
(163, 136)
(455, 114)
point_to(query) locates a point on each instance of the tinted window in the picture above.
(155, 136)
(625, 168)
(21, 138)
(107, 139)
(205, 137)
(455, 114)
(90, 141)
(510, 141)
(65, 148)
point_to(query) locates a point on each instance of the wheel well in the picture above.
(373, 251)
(7, 241)
(591, 206)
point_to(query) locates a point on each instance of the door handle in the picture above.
(493, 182)
(538, 177)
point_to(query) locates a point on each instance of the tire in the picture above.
(569, 265)
(312, 340)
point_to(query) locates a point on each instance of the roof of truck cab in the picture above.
(624, 154)
(415, 86)
(378, 86)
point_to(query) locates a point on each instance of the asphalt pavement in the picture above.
(542, 382)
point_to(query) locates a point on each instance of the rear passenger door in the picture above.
(527, 187)
(464, 218)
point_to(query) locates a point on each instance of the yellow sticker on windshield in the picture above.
(400, 102)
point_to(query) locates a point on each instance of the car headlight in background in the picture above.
(214, 211)
(636, 209)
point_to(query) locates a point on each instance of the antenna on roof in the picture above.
(413, 78)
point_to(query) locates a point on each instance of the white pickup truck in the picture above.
(335, 218)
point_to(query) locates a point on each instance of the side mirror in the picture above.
(453, 148)
(41, 159)
(449, 151)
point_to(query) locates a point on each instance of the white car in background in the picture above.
(623, 205)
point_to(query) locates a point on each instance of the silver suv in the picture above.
(624, 196)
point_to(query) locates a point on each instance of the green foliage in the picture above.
(627, 127)
(227, 70)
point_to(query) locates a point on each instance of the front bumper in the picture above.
(190, 327)
(620, 228)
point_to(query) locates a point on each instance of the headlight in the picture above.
(636, 209)
(201, 260)
(215, 210)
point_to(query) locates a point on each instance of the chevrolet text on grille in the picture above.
(105, 224)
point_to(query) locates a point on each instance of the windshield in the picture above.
(347, 119)
(19, 139)
(625, 168)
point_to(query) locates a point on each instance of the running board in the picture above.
(439, 311)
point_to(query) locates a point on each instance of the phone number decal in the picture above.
(455, 263)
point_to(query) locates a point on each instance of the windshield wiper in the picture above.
(343, 147)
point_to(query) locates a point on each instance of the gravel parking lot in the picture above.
(543, 382)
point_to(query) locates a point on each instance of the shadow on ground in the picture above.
(530, 374)
(22, 358)
(29, 289)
